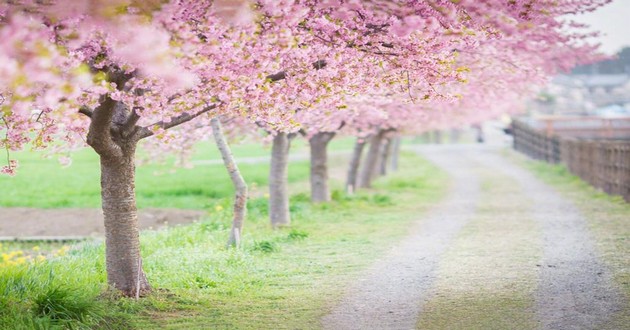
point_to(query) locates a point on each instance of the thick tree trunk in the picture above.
(395, 153)
(368, 170)
(278, 187)
(117, 157)
(114, 134)
(240, 187)
(386, 150)
(122, 241)
(353, 169)
(319, 166)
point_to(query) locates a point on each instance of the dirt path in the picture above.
(570, 286)
(30, 222)
(575, 290)
(390, 294)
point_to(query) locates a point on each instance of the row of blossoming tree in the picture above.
(112, 73)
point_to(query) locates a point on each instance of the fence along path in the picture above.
(605, 164)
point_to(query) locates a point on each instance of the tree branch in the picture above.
(86, 111)
(130, 124)
(145, 132)
(277, 76)
(99, 136)
(319, 64)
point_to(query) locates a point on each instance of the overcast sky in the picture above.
(613, 20)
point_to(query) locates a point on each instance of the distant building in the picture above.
(581, 94)
(601, 87)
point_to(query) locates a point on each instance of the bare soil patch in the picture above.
(24, 222)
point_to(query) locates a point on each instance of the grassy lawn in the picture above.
(43, 183)
(608, 219)
(283, 279)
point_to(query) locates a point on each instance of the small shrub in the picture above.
(205, 283)
(382, 200)
(301, 197)
(296, 235)
(339, 196)
(402, 183)
(265, 246)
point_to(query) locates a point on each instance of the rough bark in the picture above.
(122, 241)
(386, 150)
(353, 169)
(117, 157)
(240, 187)
(278, 187)
(114, 135)
(368, 170)
(395, 153)
(319, 166)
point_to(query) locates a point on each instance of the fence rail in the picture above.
(604, 164)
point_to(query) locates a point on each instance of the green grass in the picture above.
(608, 218)
(43, 183)
(285, 278)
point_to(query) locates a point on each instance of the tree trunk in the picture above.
(278, 189)
(395, 153)
(118, 198)
(437, 137)
(240, 187)
(122, 241)
(353, 170)
(386, 150)
(319, 166)
(114, 134)
(455, 135)
(368, 170)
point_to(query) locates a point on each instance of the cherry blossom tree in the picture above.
(112, 73)
(130, 84)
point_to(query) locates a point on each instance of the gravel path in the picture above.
(575, 290)
(389, 296)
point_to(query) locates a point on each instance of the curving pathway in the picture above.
(573, 288)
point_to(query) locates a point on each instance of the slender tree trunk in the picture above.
(353, 169)
(386, 150)
(122, 241)
(278, 187)
(368, 170)
(455, 135)
(240, 187)
(437, 137)
(319, 166)
(395, 153)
